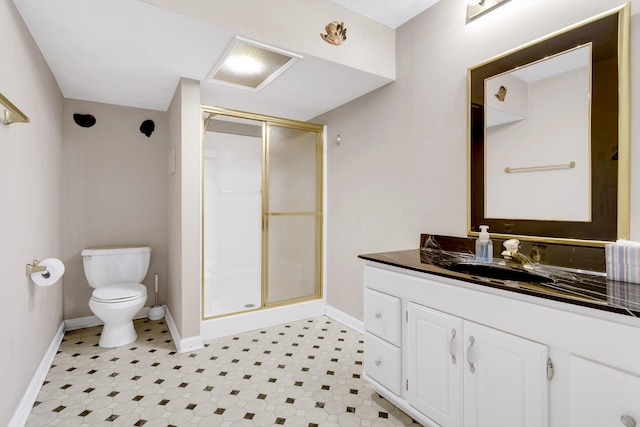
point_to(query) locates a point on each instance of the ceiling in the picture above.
(130, 53)
(392, 13)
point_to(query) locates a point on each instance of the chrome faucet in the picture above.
(511, 254)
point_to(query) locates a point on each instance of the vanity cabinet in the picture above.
(456, 354)
(501, 378)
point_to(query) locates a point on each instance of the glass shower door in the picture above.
(292, 214)
(262, 212)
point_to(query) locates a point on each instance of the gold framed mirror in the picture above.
(553, 171)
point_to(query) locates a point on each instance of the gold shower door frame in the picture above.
(267, 123)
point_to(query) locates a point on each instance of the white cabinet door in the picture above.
(435, 361)
(505, 382)
(601, 396)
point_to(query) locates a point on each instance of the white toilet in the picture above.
(116, 274)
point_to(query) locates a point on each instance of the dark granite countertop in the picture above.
(573, 284)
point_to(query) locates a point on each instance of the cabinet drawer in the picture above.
(382, 315)
(382, 362)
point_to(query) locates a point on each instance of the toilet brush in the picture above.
(157, 311)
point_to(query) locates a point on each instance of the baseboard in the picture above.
(183, 345)
(343, 317)
(91, 321)
(23, 410)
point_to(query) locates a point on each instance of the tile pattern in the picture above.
(304, 373)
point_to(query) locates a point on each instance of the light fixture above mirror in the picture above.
(476, 8)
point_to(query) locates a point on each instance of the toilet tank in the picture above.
(108, 265)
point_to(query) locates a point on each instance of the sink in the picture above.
(544, 279)
(499, 272)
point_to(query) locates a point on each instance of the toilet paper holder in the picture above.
(35, 268)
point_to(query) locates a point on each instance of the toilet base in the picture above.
(117, 317)
(117, 335)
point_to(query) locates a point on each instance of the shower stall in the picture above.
(262, 212)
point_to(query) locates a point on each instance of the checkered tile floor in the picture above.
(304, 373)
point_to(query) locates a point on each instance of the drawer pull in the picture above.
(378, 362)
(471, 367)
(451, 352)
(628, 421)
(378, 315)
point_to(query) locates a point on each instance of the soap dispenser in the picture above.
(484, 246)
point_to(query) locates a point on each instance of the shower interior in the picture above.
(232, 204)
(255, 257)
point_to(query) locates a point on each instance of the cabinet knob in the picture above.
(627, 421)
(378, 362)
(378, 315)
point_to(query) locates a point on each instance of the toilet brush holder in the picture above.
(157, 311)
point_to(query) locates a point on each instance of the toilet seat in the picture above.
(119, 292)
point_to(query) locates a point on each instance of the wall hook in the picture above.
(338, 139)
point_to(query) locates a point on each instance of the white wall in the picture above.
(401, 167)
(30, 208)
(114, 193)
(184, 207)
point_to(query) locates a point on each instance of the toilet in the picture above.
(115, 274)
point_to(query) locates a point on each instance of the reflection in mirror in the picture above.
(549, 157)
(520, 117)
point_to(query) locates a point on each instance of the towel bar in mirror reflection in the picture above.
(569, 165)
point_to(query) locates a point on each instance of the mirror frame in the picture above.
(610, 185)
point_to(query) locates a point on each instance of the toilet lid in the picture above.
(119, 292)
